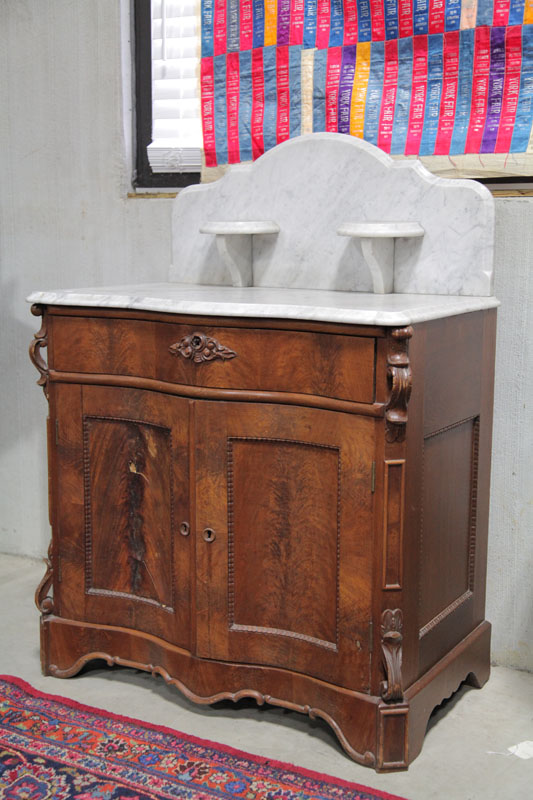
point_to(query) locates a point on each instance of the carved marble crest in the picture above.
(199, 348)
(391, 647)
(399, 377)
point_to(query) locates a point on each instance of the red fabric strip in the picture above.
(511, 87)
(449, 93)
(219, 27)
(436, 16)
(207, 78)
(232, 106)
(258, 102)
(247, 24)
(282, 81)
(480, 90)
(390, 84)
(418, 95)
(296, 35)
(322, 23)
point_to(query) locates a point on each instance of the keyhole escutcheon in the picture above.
(209, 535)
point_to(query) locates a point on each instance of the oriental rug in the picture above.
(52, 748)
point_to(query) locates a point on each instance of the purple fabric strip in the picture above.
(345, 87)
(496, 84)
(284, 21)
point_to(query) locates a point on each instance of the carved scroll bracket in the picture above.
(399, 378)
(40, 340)
(198, 347)
(391, 647)
(43, 600)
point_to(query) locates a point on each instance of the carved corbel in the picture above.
(40, 340)
(399, 378)
(43, 600)
(391, 647)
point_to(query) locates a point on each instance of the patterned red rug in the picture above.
(55, 748)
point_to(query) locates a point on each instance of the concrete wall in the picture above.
(66, 221)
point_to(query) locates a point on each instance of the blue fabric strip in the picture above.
(485, 13)
(271, 98)
(464, 92)
(295, 89)
(374, 92)
(391, 19)
(208, 18)
(403, 95)
(309, 24)
(221, 125)
(319, 91)
(420, 16)
(259, 23)
(453, 15)
(364, 21)
(516, 12)
(336, 25)
(245, 105)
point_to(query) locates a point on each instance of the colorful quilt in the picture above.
(414, 77)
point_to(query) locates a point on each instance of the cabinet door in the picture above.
(284, 538)
(122, 493)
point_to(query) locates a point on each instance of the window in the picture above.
(169, 128)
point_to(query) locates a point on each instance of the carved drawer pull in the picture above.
(209, 535)
(185, 529)
(199, 348)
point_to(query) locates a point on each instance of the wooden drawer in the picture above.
(325, 364)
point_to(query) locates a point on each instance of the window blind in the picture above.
(176, 116)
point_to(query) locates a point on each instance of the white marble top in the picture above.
(304, 304)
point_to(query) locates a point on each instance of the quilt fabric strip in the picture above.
(414, 77)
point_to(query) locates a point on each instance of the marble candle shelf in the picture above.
(377, 244)
(234, 245)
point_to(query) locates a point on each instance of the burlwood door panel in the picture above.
(284, 538)
(122, 479)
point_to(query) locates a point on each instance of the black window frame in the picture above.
(145, 177)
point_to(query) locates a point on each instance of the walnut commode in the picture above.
(285, 505)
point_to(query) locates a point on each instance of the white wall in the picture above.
(510, 567)
(64, 213)
(66, 221)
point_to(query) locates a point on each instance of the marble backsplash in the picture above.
(311, 187)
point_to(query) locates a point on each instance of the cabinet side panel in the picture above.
(447, 542)
(453, 370)
(283, 543)
(454, 491)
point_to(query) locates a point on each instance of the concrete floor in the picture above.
(464, 756)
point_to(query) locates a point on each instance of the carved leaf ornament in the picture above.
(198, 347)
(391, 647)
